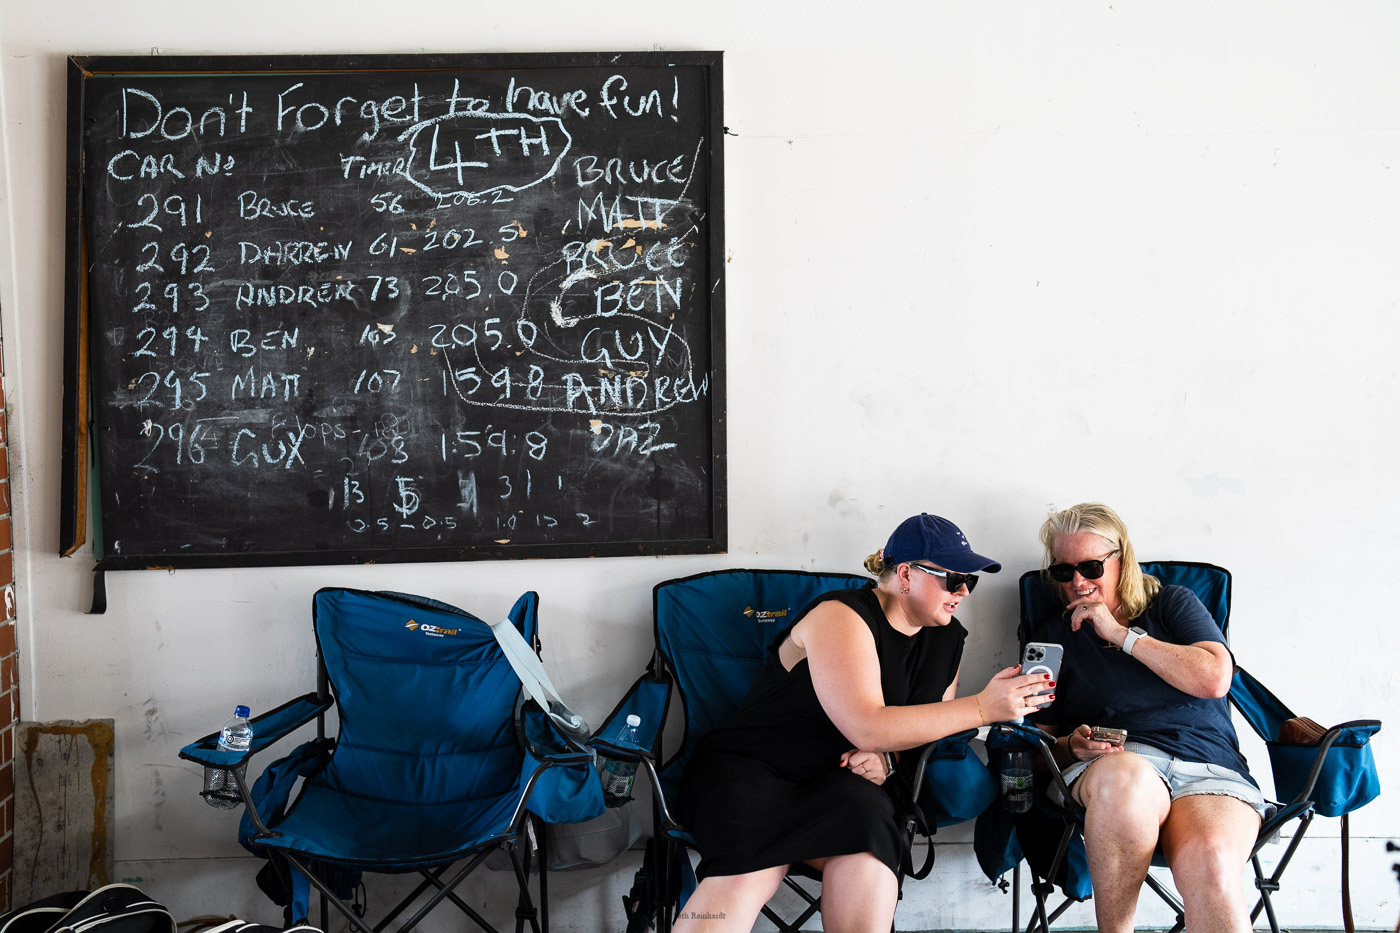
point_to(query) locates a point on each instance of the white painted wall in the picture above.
(984, 258)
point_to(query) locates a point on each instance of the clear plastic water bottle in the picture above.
(1016, 781)
(221, 784)
(617, 775)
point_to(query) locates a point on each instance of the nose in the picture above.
(962, 590)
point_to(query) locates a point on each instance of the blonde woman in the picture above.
(1149, 659)
(796, 776)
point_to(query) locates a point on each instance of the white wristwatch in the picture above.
(1133, 635)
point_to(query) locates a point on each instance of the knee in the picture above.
(1209, 857)
(1124, 784)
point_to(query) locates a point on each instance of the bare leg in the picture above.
(1206, 840)
(1126, 803)
(729, 903)
(859, 894)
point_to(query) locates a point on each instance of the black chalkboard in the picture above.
(395, 308)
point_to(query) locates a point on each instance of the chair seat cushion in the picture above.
(390, 834)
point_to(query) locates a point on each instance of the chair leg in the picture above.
(1041, 917)
(666, 889)
(814, 905)
(524, 911)
(412, 896)
(445, 889)
(541, 840)
(327, 896)
(1016, 898)
(461, 905)
(1043, 889)
(1267, 884)
(1266, 888)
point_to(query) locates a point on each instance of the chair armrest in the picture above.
(268, 728)
(624, 751)
(1346, 733)
(649, 698)
(1279, 817)
(1020, 733)
(1026, 733)
(540, 737)
(950, 746)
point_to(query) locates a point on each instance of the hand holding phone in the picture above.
(1107, 734)
(1042, 658)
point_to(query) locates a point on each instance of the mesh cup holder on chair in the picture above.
(221, 786)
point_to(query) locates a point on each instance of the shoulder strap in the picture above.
(538, 687)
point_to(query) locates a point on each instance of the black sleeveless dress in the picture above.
(767, 788)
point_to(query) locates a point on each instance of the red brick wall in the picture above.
(9, 664)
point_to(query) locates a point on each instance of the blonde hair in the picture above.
(875, 564)
(1136, 590)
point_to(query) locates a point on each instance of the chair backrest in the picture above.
(425, 696)
(713, 631)
(1210, 583)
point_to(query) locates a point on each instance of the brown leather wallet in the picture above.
(1300, 731)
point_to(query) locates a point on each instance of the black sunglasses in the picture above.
(1088, 569)
(952, 581)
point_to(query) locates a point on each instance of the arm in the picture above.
(845, 671)
(1202, 669)
(878, 766)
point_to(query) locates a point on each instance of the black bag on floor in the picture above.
(243, 926)
(113, 908)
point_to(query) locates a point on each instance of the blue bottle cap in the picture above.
(241, 711)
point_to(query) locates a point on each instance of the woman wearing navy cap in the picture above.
(794, 778)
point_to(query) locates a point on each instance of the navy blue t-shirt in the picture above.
(1099, 685)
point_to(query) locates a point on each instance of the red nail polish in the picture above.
(1046, 676)
(1052, 683)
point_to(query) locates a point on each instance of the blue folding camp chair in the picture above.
(1331, 776)
(712, 634)
(438, 760)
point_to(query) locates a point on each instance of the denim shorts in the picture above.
(1183, 778)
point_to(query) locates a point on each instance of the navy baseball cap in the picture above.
(931, 538)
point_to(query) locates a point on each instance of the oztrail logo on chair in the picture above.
(766, 615)
(430, 629)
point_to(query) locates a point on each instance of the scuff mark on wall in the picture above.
(155, 728)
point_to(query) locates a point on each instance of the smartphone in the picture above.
(1107, 734)
(1043, 658)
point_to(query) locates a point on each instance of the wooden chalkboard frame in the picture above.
(81, 476)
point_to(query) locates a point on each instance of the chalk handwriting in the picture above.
(409, 308)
